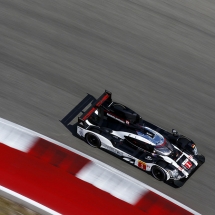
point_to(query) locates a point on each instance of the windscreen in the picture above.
(165, 148)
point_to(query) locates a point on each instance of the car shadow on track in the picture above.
(76, 111)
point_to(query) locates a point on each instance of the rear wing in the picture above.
(77, 109)
(95, 105)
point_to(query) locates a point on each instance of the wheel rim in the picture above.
(158, 174)
(92, 140)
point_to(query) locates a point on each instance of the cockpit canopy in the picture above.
(140, 144)
(161, 145)
(151, 135)
(165, 148)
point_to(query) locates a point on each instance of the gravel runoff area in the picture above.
(8, 207)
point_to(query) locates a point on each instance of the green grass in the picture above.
(8, 207)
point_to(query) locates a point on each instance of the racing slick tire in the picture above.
(201, 158)
(93, 140)
(158, 173)
(179, 183)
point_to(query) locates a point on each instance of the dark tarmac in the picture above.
(156, 57)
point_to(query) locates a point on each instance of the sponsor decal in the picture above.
(148, 167)
(130, 160)
(148, 158)
(80, 132)
(179, 168)
(190, 157)
(113, 150)
(141, 165)
(187, 164)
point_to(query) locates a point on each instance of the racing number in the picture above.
(141, 165)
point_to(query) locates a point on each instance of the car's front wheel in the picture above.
(158, 173)
(200, 158)
(93, 140)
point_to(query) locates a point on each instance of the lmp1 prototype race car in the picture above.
(116, 128)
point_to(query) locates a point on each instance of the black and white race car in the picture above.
(118, 129)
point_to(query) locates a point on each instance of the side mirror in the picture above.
(174, 132)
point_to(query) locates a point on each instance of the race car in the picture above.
(118, 129)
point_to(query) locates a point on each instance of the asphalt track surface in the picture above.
(155, 56)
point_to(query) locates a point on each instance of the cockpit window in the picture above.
(151, 135)
(165, 149)
(140, 144)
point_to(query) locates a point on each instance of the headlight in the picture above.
(195, 151)
(179, 176)
(176, 175)
(192, 148)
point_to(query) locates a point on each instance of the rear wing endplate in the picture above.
(95, 105)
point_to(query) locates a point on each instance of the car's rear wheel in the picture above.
(158, 173)
(93, 140)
